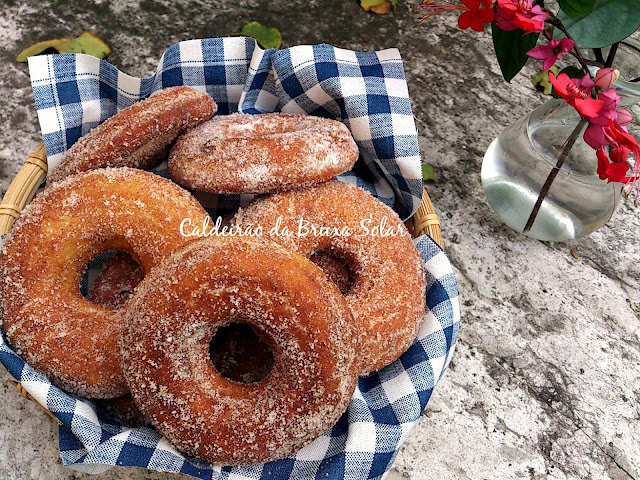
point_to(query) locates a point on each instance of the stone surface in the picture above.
(545, 383)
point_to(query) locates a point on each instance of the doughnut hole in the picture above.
(337, 267)
(241, 353)
(114, 283)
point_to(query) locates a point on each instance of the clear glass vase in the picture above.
(518, 162)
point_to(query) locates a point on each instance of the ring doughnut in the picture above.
(175, 312)
(387, 296)
(47, 320)
(270, 152)
(138, 136)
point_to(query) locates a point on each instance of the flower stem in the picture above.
(612, 54)
(552, 175)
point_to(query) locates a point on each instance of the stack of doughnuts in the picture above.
(239, 348)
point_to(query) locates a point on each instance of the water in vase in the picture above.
(518, 162)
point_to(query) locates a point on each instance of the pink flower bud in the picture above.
(605, 77)
(624, 117)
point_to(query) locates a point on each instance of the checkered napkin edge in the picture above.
(365, 90)
(387, 403)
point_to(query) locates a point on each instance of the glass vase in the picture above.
(519, 161)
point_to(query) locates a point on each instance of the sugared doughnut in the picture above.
(175, 312)
(112, 288)
(69, 338)
(138, 136)
(263, 153)
(387, 297)
(114, 285)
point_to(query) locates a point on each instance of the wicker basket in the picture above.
(25, 184)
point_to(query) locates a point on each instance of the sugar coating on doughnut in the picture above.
(46, 319)
(176, 310)
(138, 136)
(387, 297)
(117, 279)
(270, 152)
(241, 354)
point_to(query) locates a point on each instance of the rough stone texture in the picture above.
(545, 383)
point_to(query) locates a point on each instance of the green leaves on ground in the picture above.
(608, 22)
(511, 49)
(573, 8)
(86, 42)
(541, 80)
(267, 37)
(428, 173)
(378, 6)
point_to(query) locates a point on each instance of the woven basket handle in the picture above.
(425, 221)
(23, 188)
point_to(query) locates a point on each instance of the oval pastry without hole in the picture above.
(138, 136)
(264, 153)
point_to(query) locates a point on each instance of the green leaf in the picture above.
(572, 72)
(428, 173)
(86, 42)
(573, 8)
(608, 22)
(267, 37)
(368, 4)
(378, 6)
(511, 49)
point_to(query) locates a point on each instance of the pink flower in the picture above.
(575, 96)
(595, 135)
(475, 16)
(512, 14)
(624, 117)
(552, 52)
(585, 83)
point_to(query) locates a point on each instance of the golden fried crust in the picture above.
(176, 310)
(47, 320)
(270, 152)
(138, 136)
(387, 296)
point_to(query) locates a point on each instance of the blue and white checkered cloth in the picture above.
(368, 92)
